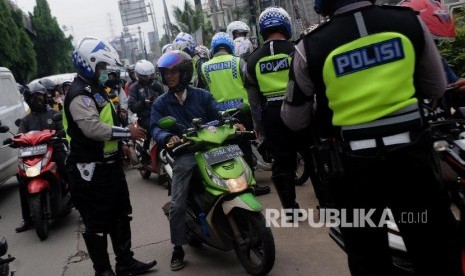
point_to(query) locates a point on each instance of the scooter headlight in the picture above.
(218, 181)
(237, 184)
(33, 170)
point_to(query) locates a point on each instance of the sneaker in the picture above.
(24, 226)
(177, 260)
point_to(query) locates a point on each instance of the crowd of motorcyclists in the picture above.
(357, 80)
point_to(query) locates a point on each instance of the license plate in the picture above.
(31, 151)
(222, 154)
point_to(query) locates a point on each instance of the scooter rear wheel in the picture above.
(257, 253)
(39, 214)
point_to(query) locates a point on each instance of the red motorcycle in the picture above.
(48, 197)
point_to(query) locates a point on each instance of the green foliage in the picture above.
(9, 34)
(26, 67)
(53, 49)
(454, 51)
(190, 20)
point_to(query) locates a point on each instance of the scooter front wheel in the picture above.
(257, 251)
(39, 214)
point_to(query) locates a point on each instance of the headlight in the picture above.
(215, 178)
(34, 170)
(237, 184)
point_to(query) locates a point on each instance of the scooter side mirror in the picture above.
(244, 108)
(166, 122)
(4, 129)
(17, 122)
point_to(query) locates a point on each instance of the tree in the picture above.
(190, 20)
(454, 51)
(26, 66)
(53, 49)
(9, 34)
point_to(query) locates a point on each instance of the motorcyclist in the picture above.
(184, 103)
(117, 94)
(97, 181)
(51, 87)
(40, 118)
(142, 94)
(370, 112)
(132, 78)
(64, 87)
(265, 86)
(202, 55)
(238, 31)
(226, 85)
(166, 48)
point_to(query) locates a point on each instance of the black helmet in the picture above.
(36, 88)
(49, 84)
(182, 62)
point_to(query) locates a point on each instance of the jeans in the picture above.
(182, 173)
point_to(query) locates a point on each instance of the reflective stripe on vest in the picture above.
(370, 78)
(273, 74)
(106, 117)
(223, 76)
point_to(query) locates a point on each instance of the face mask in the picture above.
(103, 77)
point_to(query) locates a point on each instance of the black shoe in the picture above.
(24, 226)
(177, 260)
(134, 267)
(261, 190)
(105, 273)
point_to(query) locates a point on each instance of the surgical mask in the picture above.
(102, 79)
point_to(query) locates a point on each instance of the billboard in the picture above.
(133, 12)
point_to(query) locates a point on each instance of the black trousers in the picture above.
(282, 143)
(406, 180)
(102, 201)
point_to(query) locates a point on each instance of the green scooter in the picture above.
(222, 210)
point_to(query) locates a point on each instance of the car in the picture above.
(11, 109)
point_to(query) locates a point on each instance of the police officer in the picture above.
(223, 76)
(97, 180)
(366, 68)
(266, 80)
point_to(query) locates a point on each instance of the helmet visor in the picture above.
(169, 60)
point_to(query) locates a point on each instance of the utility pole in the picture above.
(155, 29)
(214, 14)
(142, 44)
(168, 23)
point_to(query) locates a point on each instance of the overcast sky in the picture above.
(93, 17)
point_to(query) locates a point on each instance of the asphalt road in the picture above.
(300, 250)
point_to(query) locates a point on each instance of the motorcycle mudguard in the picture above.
(245, 201)
(37, 185)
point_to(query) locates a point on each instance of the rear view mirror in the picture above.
(17, 122)
(4, 129)
(166, 122)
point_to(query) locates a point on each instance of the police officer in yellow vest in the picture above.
(97, 180)
(367, 67)
(223, 77)
(266, 80)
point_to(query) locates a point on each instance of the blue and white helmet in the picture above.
(184, 42)
(222, 39)
(275, 18)
(168, 47)
(91, 51)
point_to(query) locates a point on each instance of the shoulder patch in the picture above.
(87, 101)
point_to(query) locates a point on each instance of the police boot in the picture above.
(285, 187)
(121, 240)
(97, 249)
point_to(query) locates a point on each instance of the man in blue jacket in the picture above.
(184, 103)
